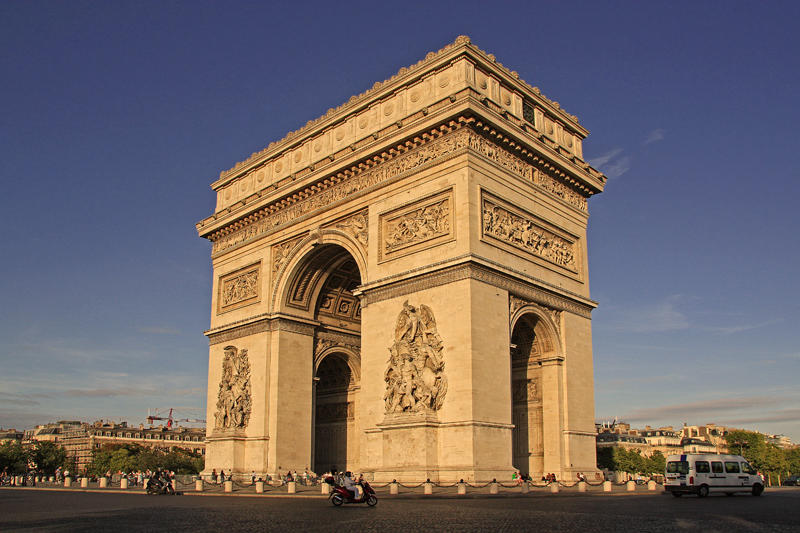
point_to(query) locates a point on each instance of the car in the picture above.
(792, 481)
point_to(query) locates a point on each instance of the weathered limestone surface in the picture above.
(407, 278)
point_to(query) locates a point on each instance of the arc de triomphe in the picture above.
(401, 286)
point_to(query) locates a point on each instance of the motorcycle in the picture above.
(157, 485)
(340, 495)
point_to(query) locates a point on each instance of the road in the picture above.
(44, 510)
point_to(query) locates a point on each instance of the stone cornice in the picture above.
(368, 173)
(462, 46)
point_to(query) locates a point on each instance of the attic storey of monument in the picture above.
(407, 277)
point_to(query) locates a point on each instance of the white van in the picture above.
(704, 473)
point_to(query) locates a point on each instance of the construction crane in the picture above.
(156, 416)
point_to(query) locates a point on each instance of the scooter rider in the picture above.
(352, 486)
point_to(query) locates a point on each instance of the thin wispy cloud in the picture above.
(155, 330)
(658, 317)
(108, 392)
(602, 160)
(708, 409)
(613, 163)
(730, 330)
(17, 399)
(654, 136)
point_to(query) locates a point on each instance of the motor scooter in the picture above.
(159, 485)
(340, 495)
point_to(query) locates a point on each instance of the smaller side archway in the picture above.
(533, 340)
(337, 376)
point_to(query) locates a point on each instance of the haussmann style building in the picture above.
(401, 286)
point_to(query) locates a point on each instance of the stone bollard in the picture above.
(525, 488)
(606, 486)
(84, 482)
(462, 488)
(651, 485)
(325, 488)
(554, 488)
(38, 479)
(291, 487)
(494, 487)
(581, 486)
(394, 488)
(198, 485)
(427, 488)
(103, 482)
(67, 481)
(123, 483)
(630, 486)
(228, 486)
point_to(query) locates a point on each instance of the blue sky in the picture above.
(116, 117)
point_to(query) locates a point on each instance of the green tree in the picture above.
(13, 458)
(132, 457)
(656, 463)
(750, 445)
(793, 461)
(47, 456)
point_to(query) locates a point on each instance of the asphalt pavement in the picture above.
(30, 509)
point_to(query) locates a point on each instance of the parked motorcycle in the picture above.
(340, 495)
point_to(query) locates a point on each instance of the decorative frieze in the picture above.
(423, 224)
(415, 380)
(491, 151)
(382, 169)
(239, 288)
(233, 399)
(526, 232)
(560, 190)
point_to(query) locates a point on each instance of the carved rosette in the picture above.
(233, 399)
(415, 380)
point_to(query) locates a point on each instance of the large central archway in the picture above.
(323, 287)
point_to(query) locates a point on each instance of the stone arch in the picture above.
(304, 250)
(534, 340)
(352, 357)
(545, 328)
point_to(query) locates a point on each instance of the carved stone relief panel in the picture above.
(233, 399)
(355, 226)
(280, 256)
(330, 412)
(239, 288)
(415, 380)
(523, 231)
(525, 390)
(425, 223)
